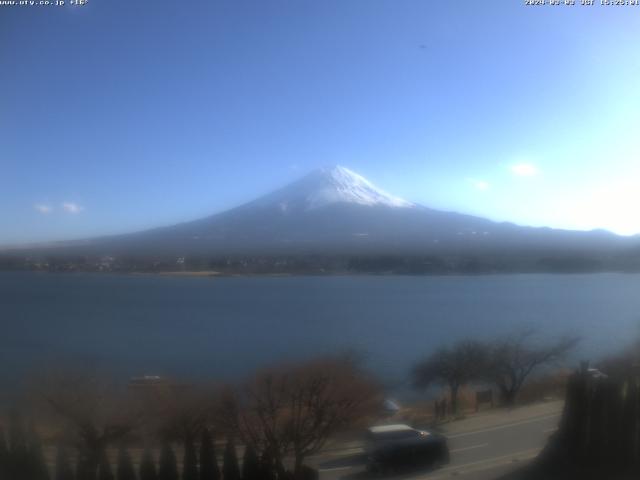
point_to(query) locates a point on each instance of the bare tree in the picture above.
(512, 359)
(294, 410)
(94, 411)
(178, 412)
(452, 366)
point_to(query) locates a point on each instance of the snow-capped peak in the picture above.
(340, 185)
(327, 186)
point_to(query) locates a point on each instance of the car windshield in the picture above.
(395, 435)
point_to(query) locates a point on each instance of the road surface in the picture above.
(482, 447)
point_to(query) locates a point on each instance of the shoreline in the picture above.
(209, 274)
(218, 274)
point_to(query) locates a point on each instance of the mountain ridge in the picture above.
(334, 211)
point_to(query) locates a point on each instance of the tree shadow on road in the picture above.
(408, 473)
(537, 471)
(344, 462)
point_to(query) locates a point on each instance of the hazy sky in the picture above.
(122, 115)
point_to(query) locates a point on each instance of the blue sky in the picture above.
(124, 115)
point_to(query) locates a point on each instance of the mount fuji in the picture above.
(336, 212)
(328, 186)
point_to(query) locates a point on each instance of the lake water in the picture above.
(226, 327)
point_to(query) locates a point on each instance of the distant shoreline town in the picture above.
(330, 222)
(327, 264)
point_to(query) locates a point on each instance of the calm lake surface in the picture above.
(227, 327)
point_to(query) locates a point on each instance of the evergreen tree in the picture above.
(104, 467)
(85, 467)
(17, 463)
(168, 464)
(190, 462)
(125, 469)
(37, 463)
(4, 455)
(208, 462)
(251, 464)
(17, 434)
(148, 466)
(267, 467)
(230, 468)
(63, 467)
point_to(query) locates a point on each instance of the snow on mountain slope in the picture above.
(328, 186)
(340, 184)
(334, 210)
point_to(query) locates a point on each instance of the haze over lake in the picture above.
(227, 327)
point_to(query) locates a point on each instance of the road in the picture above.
(481, 448)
